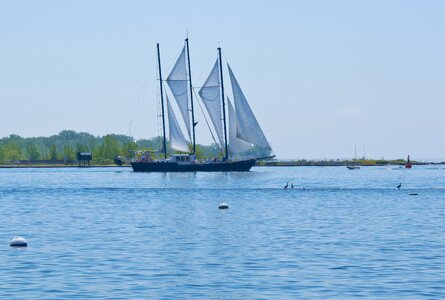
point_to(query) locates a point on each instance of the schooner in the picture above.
(242, 134)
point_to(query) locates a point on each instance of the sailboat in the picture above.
(243, 133)
(354, 166)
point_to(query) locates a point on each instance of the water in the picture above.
(111, 233)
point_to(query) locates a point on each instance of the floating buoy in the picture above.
(18, 241)
(413, 194)
(223, 206)
(408, 164)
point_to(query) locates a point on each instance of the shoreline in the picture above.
(257, 164)
(30, 166)
(338, 164)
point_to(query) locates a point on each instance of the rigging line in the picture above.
(205, 118)
(159, 111)
(176, 107)
(140, 92)
(226, 87)
(158, 114)
(204, 70)
(160, 126)
(226, 90)
(227, 63)
(174, 63)
(224, 56)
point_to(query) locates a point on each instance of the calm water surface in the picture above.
(112, 233)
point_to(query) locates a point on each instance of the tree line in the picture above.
(64, 146)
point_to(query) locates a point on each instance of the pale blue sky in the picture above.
(321, 76)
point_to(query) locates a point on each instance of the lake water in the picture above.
(111, 233)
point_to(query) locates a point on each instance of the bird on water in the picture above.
(285, 187)
(399, 186)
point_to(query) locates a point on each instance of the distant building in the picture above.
(84, 157)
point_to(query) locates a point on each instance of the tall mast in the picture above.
(223, 103)
(191, 94)
(162, 101)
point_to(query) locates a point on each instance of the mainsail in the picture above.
(176, 137)
(211, 96)
(248, 128)
(236, 145)
(177, 81)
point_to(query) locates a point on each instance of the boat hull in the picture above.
(353, 167)
(167, 166)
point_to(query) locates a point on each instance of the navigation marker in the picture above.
(18, 241)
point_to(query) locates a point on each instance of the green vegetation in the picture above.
(337, 162)
(62, 148)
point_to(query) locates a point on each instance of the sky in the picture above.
(322, 77)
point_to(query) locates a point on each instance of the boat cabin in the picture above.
(183, 158)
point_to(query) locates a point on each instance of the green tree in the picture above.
(2, 154)
(81, 148)
(12, 151)
(155, 143)
(68, 135)
(199, 152)
(14, 137)
(108, 150)
(129, 146)
(53, 152)
(32, 151)
(69, 153)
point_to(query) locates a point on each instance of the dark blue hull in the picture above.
(167, 166)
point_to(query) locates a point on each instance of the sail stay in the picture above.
(210, 94)
(236, 145)
(177, 82)
(248, 128)
(176, 137)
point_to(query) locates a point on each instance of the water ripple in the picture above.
(97, 234)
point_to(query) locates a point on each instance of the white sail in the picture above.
(177, 82)
(248, 128)
(211, 97)
(236, 145)
(176, 137)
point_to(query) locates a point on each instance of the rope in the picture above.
(140, 93)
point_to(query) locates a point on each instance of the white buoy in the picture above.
(18, 241)
(223, 206)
